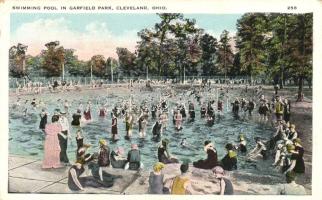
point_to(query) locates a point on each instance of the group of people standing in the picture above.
(285, 144)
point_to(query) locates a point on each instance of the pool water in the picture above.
(25, 138)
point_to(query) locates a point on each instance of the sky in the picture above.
(91, 34)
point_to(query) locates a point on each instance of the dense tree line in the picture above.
(275, 47)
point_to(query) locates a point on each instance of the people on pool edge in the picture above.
(294, 155)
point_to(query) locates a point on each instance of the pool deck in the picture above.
(25, 176)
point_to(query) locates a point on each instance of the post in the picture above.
(130, 103)
(225, 62)
(63, 69)
(184, 74)
(91, 72)
(217, 94)
(112, 72)
(227, 106)
(147, 72)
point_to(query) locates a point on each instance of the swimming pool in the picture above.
(25, 138)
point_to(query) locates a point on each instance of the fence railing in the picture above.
(45, 81)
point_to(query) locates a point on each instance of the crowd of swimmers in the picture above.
(285, 146)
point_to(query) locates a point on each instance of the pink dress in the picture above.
(51, 146)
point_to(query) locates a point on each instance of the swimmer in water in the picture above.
(184, 142)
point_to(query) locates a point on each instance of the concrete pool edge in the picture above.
(21, 180)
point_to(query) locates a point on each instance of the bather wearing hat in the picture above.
(103, 157)
(226, 186)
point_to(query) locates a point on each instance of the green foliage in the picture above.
(273, 46)
(126, 61)
(53, 59)
(17, 59)
(73, 66)
(209, 47)
(112, 66)
(98, 65)
(251, 29)
(225, 56)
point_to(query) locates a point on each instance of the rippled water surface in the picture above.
(25, 138)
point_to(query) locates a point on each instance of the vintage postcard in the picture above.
(160, 98)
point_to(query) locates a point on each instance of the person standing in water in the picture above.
(220, 106)
(153, 111)
(250, 107)
(79, 139)
(164, 121)
(128, 125)
(178, 120)
(279, 109)
(76, 118)
(102, 111)
(114, 127)
(66, 106)
(142, 126)
(63, 138)
(87, 112)
(43, 119)
(192, 113)
(203, 111)
(156, 131)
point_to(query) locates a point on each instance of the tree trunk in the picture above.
(300, 95)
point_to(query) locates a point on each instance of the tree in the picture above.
(33, 65)
(225, 56)
(209, 47)
(17, 60)
(53, 59)
(235, 71)
(162, 30)
(147, 53)
(112, 67)
(98, 66)
(126, 61)
(299, 49)
(73, 66)
(251, 28)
